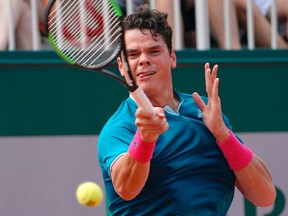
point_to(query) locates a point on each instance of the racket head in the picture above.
(86, 33)
(89, 34)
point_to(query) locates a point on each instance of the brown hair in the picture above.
(155, 21)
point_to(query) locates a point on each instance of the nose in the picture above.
(144, 60)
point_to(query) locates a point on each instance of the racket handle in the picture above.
(142, 100)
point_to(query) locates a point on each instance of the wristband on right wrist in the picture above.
(141, 150)
(237, 154)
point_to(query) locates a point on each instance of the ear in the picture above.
(173, 59)
(120, 66)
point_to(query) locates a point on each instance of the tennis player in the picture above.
(185, 159)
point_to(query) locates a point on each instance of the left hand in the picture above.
(212, 112)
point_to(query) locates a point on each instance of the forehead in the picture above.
(144, 37)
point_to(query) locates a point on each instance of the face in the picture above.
(150, 62)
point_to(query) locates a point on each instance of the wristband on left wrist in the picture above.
(237, 154)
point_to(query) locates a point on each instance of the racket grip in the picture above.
(142, 100)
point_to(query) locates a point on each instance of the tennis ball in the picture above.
(89, 194)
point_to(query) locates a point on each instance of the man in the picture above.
(184, 160)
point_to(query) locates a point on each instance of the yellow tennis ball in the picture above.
(89, 194)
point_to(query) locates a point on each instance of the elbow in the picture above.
(126, 195)
(127, 190)
(267, 199)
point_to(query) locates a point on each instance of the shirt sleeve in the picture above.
(113, 142)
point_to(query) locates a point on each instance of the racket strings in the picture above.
(88, 47)
(103, 42)
(61, 14)
(100, 52)
(68, 20)
(68, 17)
(58, 9)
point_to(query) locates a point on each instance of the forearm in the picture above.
(129, 176)
(255, 183)
(130, 172)
(252, 176)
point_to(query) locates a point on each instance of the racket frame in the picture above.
(136, 92)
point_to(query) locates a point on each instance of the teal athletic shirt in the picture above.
(188, 173)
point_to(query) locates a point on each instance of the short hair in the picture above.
(155, 21)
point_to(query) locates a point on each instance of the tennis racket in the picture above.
(89, 34)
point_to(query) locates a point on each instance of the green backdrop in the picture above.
(42, 95)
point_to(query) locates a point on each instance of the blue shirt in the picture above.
(188, 172)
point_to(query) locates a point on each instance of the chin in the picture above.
(149, 90)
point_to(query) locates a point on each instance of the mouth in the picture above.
(145, 74)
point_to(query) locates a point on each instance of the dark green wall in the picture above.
(42, 95)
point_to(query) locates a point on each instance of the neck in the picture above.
(175, 103)
(163, 99)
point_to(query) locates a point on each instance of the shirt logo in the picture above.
(135, 144)
(199, 113)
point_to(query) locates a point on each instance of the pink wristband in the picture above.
(237, 155)
(140, 150)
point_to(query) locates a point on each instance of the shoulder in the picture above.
(188, 105)
(124, 115)
(187, 97)
(116, 135)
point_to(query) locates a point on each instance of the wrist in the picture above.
(147, 137)
(222, 135)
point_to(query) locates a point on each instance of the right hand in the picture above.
(150, 127)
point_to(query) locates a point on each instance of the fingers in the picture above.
(207, 77)
(150, 129)
(215, 81)
(155, 124)
(215, 88)
(214, 72)
(144, 114)
(198, 100)
(210, 78)
(159, 112)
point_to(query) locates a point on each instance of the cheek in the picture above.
(165, 73)
(132, 66)
(168, 65)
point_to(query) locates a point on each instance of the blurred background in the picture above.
(51, 113)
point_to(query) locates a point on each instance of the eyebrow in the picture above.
(147, 48)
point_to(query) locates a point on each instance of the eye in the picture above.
(132, 54)
(155, 51)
